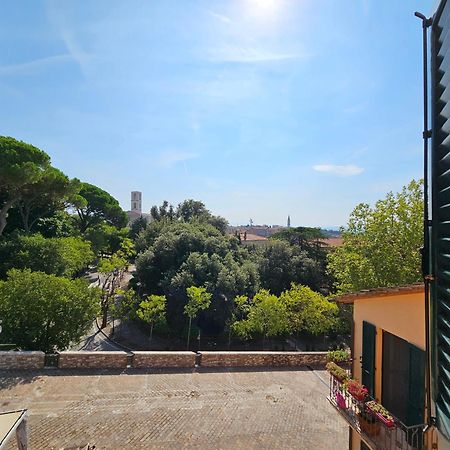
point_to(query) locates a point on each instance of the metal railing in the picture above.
(376, 434)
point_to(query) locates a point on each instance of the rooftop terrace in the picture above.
(224, 408)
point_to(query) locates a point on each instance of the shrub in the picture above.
(45, 312)
(338, 356)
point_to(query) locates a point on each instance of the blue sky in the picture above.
(259, 108)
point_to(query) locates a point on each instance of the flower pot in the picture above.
(340, 401)
(339, 378)
(388, 422)
(357, 394)
(369, 426)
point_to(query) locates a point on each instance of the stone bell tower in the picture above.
(136, 202)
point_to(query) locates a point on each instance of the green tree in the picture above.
(267, 316)
(152, 310)
(189, 210)
(281, 264)
(137, 226)
(163, 212)
(309, 311)
(239, 309)
(45, 312)
(97, 206)
(126, 305)
(175, 255)
(381, 243)
(106, 239)
(66, 256)
(52, 192)
(306, 238)
(58, 224)
(21, 165)
(198, 300)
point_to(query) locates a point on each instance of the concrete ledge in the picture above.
(92, 360)
(263, 359)
(163, 359)
(22, 360)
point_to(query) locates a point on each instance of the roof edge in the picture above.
(350, 297)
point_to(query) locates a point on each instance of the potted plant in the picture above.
(337, 372)
(368, 424)
(381, 413)
(339, 357)
(357, 390)
(340, 400)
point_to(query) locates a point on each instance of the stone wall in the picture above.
(92, 360)
(263, 359)
(114, 360)
(21, 360)
(163, 359)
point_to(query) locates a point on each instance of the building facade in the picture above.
(389, 359)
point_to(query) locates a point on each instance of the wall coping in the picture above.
(168, 352)
(259, 353)
(88, 352)
(21, 352)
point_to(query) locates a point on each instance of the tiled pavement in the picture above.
(225, 409)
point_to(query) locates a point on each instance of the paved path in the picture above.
(225, 409)
(94, 339)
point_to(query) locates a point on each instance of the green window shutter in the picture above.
(440, 230)
(416, 397)
(368, 357)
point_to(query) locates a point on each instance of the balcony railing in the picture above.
(373, 431)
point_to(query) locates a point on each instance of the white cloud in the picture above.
(220, 17)
(171, 158)
(249, 55)
(342, 171)
(36, 65)
(59, 18)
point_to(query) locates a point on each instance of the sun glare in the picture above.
(266, 4)
(264, 9)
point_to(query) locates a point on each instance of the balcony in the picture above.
(376, 433)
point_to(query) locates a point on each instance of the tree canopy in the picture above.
(281, 264)
(309, 311)
(21, 165)
(66, 256)
(381, 243)
(152, 310)
(51, 192)
(267, 316)
(96, 206)
(45, 312)
(177, 254)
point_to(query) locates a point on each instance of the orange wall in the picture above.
(402, 315)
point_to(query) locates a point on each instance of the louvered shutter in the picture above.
(368, 357)
(440, 234)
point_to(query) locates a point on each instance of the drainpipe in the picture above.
(426, 269)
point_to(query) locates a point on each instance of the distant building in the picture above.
(136, 208)
(289, 222)
(136, 201)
